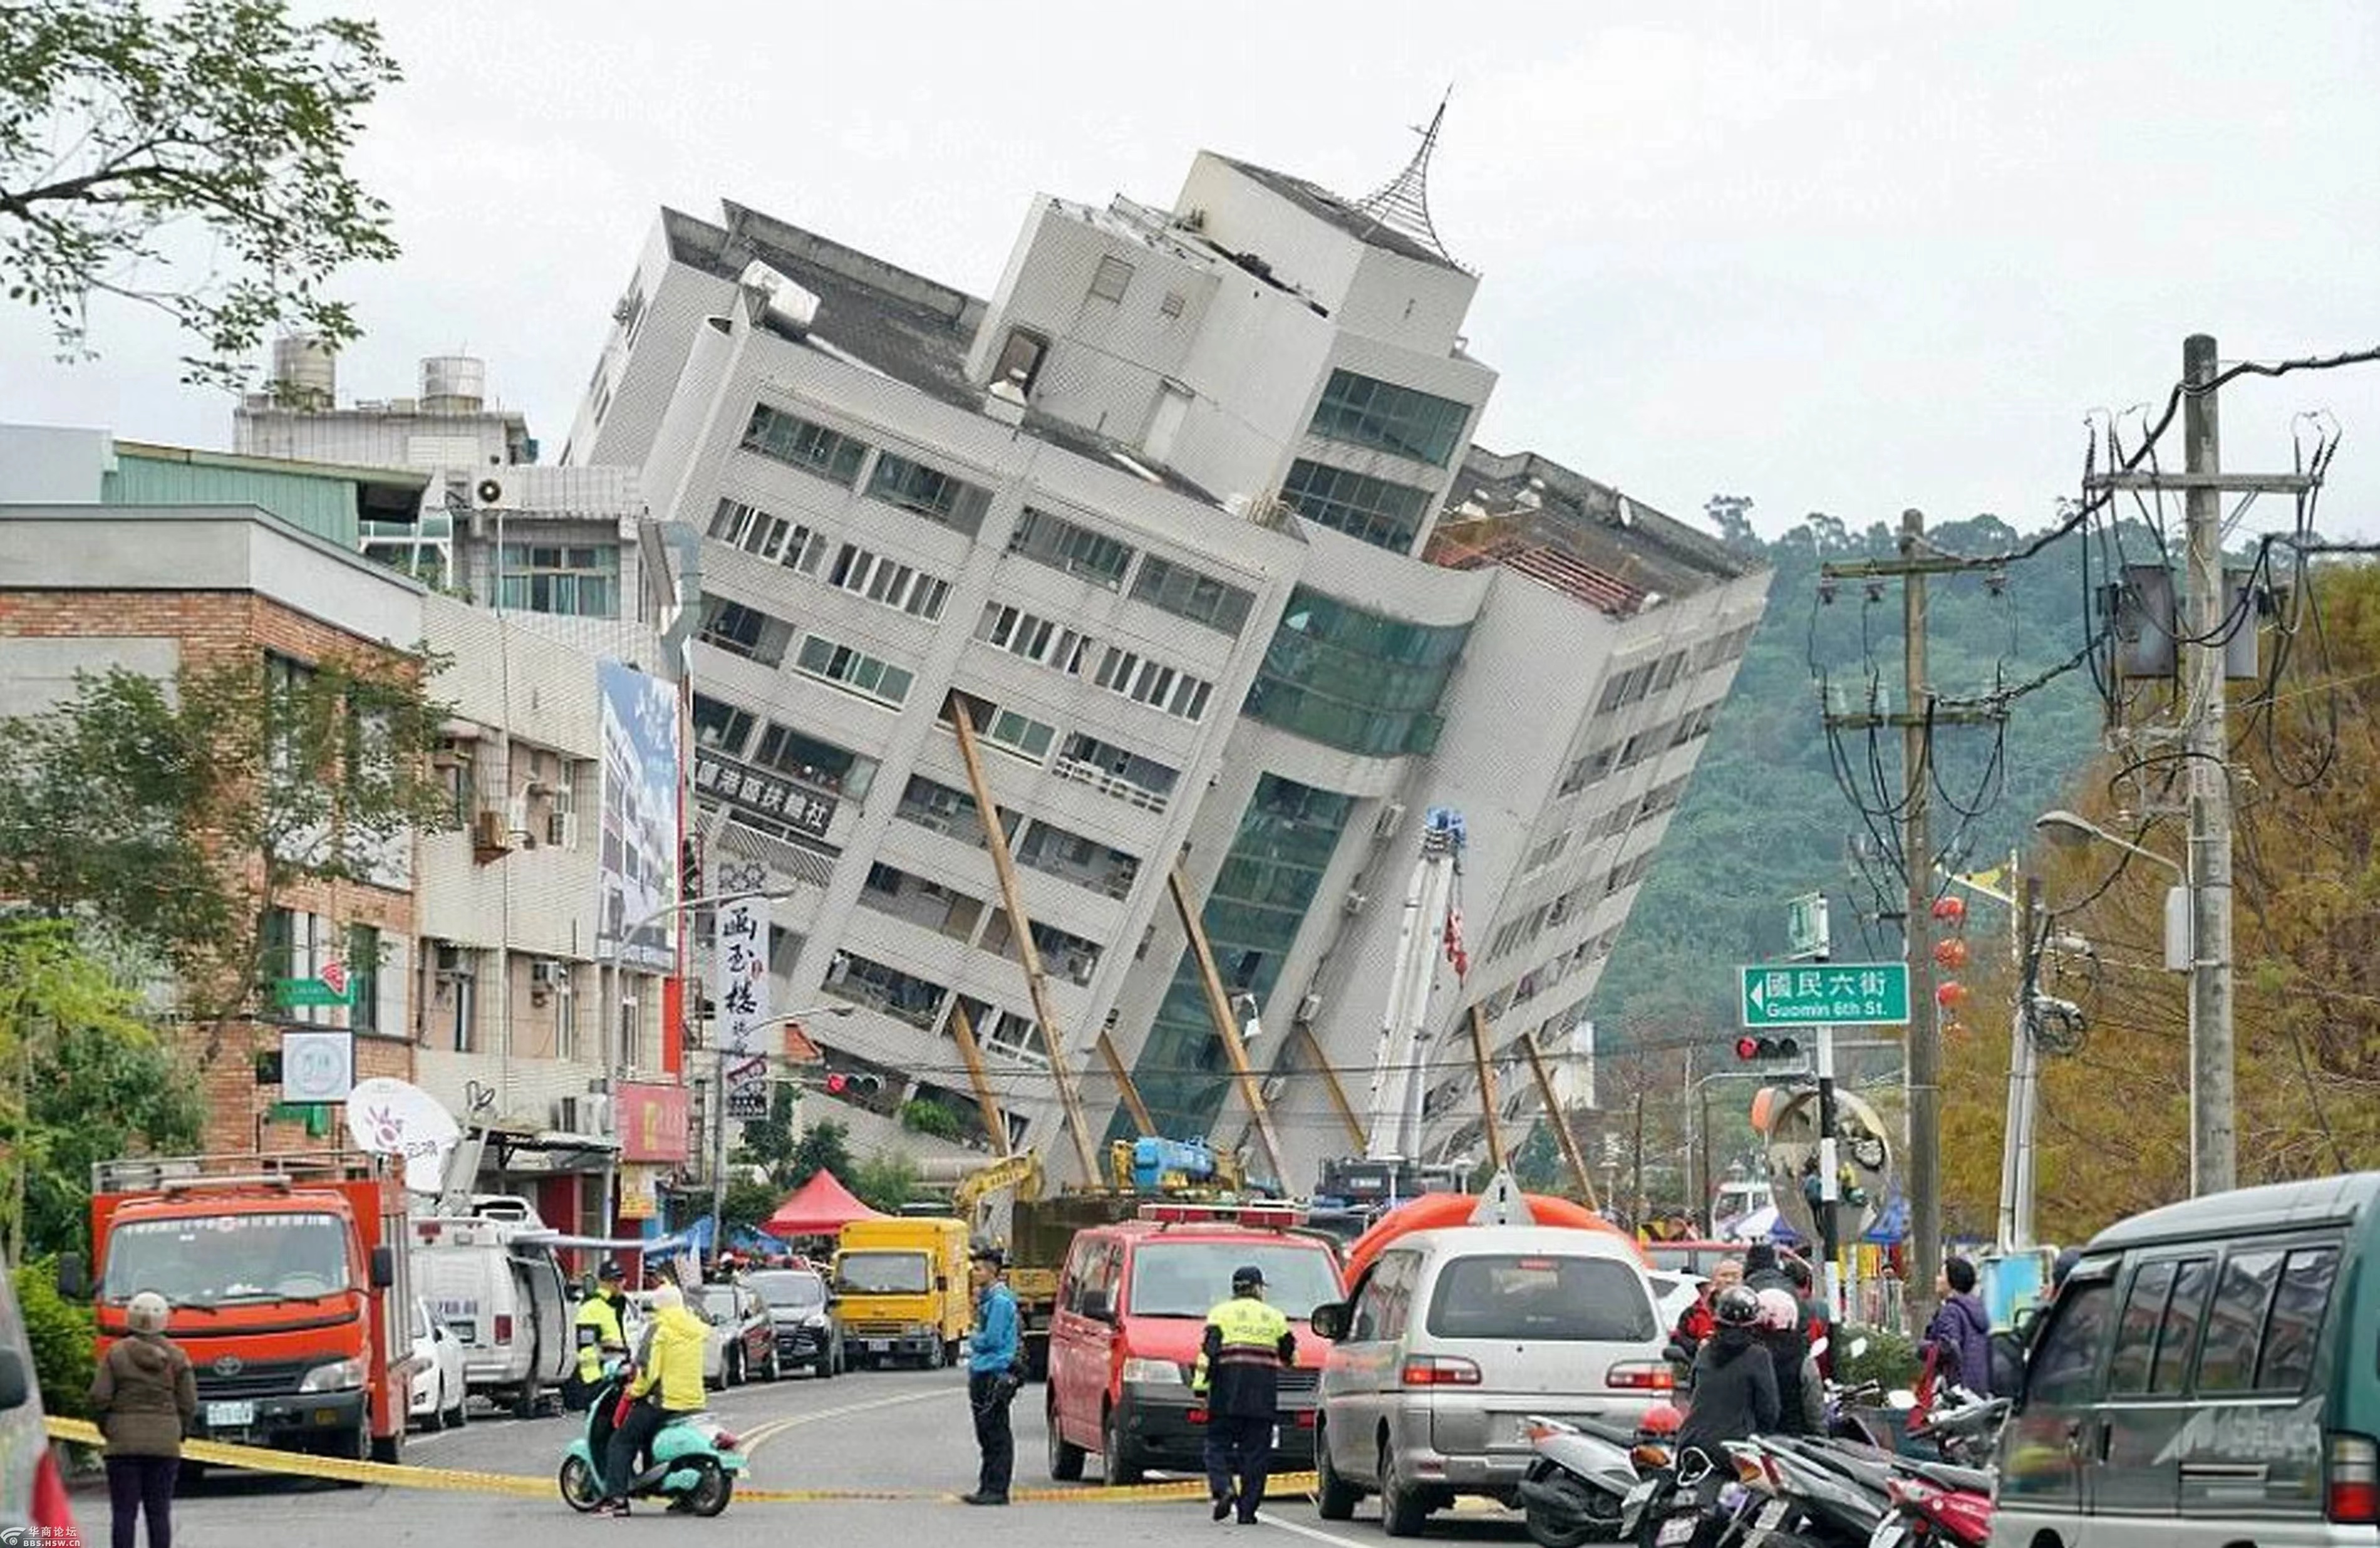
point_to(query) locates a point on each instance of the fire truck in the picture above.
(286, 1280)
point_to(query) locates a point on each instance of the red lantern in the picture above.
(1951, 954)
(1948, 995)
(1950, 910)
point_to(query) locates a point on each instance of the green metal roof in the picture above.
(327, 500)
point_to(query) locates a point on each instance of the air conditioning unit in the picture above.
(447, 960)
(488, 492)
(489, 833)
(1391, 822)
(1357, 902)
(546, 973)
(516, 821)
(1308, 1009)
(595, 1113)
(567, 1112)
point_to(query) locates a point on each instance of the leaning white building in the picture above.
(1189, 511)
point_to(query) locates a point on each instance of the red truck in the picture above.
(287, 1279)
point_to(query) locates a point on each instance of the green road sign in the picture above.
(1825, 993)
(293, 994)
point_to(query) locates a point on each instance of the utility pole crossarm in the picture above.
(2202, 482)
(1908, 720)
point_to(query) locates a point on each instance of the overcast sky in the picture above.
(1848, 257)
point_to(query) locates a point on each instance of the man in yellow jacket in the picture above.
(668, 1388)
(600, 1334)
(1247, 1345)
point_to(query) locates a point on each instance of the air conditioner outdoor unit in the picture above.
(448, 960)
(488, 492)
(1390, 821)
(546, 973)
(516, 821)
(1310, 1008)
(1357, 902)
(489, 832)
(595, 1112)
(567, 1112)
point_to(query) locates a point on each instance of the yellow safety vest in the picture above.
(599, 1317)
(1251, 1333)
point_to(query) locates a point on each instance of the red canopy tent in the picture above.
(820, 1207)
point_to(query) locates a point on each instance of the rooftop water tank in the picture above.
(452, 384)
(305, 374)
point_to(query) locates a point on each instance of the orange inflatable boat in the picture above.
(1434, 1210)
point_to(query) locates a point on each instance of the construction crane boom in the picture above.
(1431, 927)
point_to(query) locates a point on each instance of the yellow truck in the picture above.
(903, 1289)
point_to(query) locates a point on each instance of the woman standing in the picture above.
(143, 1398)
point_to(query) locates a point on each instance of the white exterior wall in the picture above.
(637, 369)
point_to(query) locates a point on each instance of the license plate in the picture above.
(1638, 1495)
(230, 1416)
(1677, 1530)
(1888, 1534)
(879, 1346)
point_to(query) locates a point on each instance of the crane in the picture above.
(1432, 926)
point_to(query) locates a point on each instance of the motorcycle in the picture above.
(694, 1460)
(1934, 1507)
(1587, 1484)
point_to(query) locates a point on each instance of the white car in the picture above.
(439, 1391)
(1673, 1294)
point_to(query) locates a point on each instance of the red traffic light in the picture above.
(1747, 1047)
(836, 1083)
(1754, 1050)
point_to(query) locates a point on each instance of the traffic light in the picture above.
(842, 1084)
(1759, 1050)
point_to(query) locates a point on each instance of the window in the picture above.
(571, 582)
(1586, 770)
(1142, 774)
(2235, 1323)
(770, 537)
(1016, 1038)
(1546, 853)
(746, 631)
(799, 443)
(1112, 279)
(935, 495)
(1382, 513)
(720, 726)
(1160, 688)
(1385, 416)
(841, 664)
(1512, 1296)
(1034, 638)
(1186, 593)
(2136, 1331)
(1020, 360)
(1379, 1311)
(632, 313)
(1350, 679)
(823, 764)
(1063, 545)
(1172, 305)
(2179, 1341)
(363, 977)
(2064, 1369)
(2296, 1326)
(888, 581)
(1020, 734)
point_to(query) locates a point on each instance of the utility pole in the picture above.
(1638, 1185)
(1925, 1065)
(2211, 1060)
(2024, 1079)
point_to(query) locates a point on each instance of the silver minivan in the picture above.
(1452, 1338)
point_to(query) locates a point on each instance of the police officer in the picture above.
(1246, 1345)
(599, 1332)
(995, 1367)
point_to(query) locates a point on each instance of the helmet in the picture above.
(1736, 1307)
(1661, 1418)
(669, 1297)
(1779, 1310)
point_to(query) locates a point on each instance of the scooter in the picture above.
(1587, 1484)
(694, 1465)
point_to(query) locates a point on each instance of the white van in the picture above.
(502, 1293)
(1452, 1338)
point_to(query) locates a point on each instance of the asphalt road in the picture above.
(901, 1431)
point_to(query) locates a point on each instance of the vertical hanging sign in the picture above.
(739, 991)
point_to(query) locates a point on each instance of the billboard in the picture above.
(637, 875)
(653, 1122)
(739, 989)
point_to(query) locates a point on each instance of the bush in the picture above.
(61, 1338)
(924, 1115)
(1891, 1360)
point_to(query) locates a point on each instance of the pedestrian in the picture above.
(1735, 1380)
(1247, 1345)
(1761, 1269)
(600, 1334)
(995, 1362)
(1817, 1323)
(1698, 1322)
(1788, 1350)
(1960, 1331)
(143, 1398)
(668, 1387)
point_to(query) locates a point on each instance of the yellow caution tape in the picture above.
(462, 1480)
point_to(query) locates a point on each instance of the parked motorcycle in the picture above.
(1929, 1510)
(694, 1460)
(1581, 1484)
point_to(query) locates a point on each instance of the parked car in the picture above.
(745, 1331)
(802, 1316)
(440, 1388)
(1674, 1295)
(32, 1491)
(714, 1337)
(2206, 1377)
(1132, 1307)
(1452, 1338)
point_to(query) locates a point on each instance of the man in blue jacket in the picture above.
(994, 1361)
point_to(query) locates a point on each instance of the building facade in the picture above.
(1188, 519)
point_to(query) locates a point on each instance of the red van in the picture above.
(1131, 1307)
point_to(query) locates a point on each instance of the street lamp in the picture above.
(2180, 954)
(719, 1112)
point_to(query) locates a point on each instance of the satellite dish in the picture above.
(391, 1117)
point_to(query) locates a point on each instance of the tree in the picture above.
(119, 124)
(885, 1181)
(181, 814)
(747, 1204)
(86, 1081)
(824, 1148)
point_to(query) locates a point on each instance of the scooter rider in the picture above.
(1735, 1378)
(669, 1387)
(599, 1334)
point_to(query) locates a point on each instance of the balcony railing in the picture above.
(1099, 779)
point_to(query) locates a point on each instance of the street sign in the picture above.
(310, 994)
(1837, 994)
(1806, 926)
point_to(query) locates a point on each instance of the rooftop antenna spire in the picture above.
(1403, 203)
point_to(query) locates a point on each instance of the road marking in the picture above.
(1317, 1533)
(771, 1430)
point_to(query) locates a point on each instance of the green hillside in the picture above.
(1766, 816)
